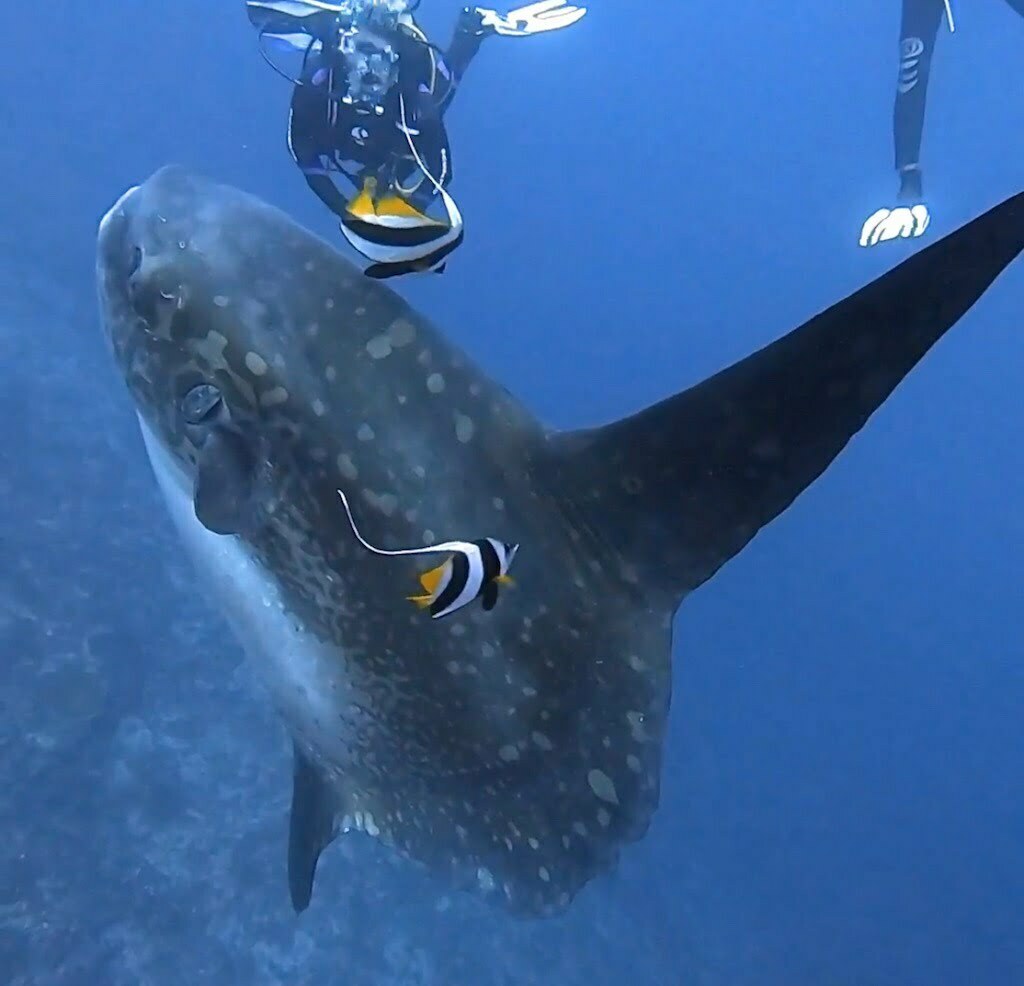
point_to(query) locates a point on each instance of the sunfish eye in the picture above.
(201, 404)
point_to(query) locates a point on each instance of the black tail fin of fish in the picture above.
(684, 485)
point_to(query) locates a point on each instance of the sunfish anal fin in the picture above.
(311, 829)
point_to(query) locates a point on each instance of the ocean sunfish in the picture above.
(513, 750)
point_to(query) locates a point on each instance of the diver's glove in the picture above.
(902, 222)
(535, 18)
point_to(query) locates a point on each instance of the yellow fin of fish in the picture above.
(362, 205)
(432, 579)
(422, 602)
(505, 580)
(393, 205)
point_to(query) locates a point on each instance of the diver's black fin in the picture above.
(683, 485)
(225, 479)
(310, 831)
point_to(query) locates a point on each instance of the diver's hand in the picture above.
(902, 222)
(535, 18)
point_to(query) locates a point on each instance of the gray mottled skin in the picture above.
(514, 751)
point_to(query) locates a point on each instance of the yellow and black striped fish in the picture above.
(475, 569)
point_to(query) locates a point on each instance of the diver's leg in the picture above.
(911, 217)
(920, 25)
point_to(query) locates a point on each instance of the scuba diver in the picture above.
(368, 106)
(918, 31)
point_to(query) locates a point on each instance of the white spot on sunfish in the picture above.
(499, 503)
(601, 784)
(636, 663)
(485, 878)
(636, 725)
(347, 467)
(401, 332)
(365, 433)
(544, 874)
(329, 304)
(633, 763)
(221, 300)
(464, 428)
(603, 818)
(256, 363)
(435, 383)
(371, 826)
(274, 397)
(212, 349)
(541, 740)
(508, 753)
(318, 408)
(386, 503)
(331, 374)
(379, 347)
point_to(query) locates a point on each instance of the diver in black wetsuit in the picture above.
(918, 34)
(369, 106)
(361, 137)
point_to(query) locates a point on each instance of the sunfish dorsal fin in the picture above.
(679, 488)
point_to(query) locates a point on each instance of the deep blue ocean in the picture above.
(649, 196)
